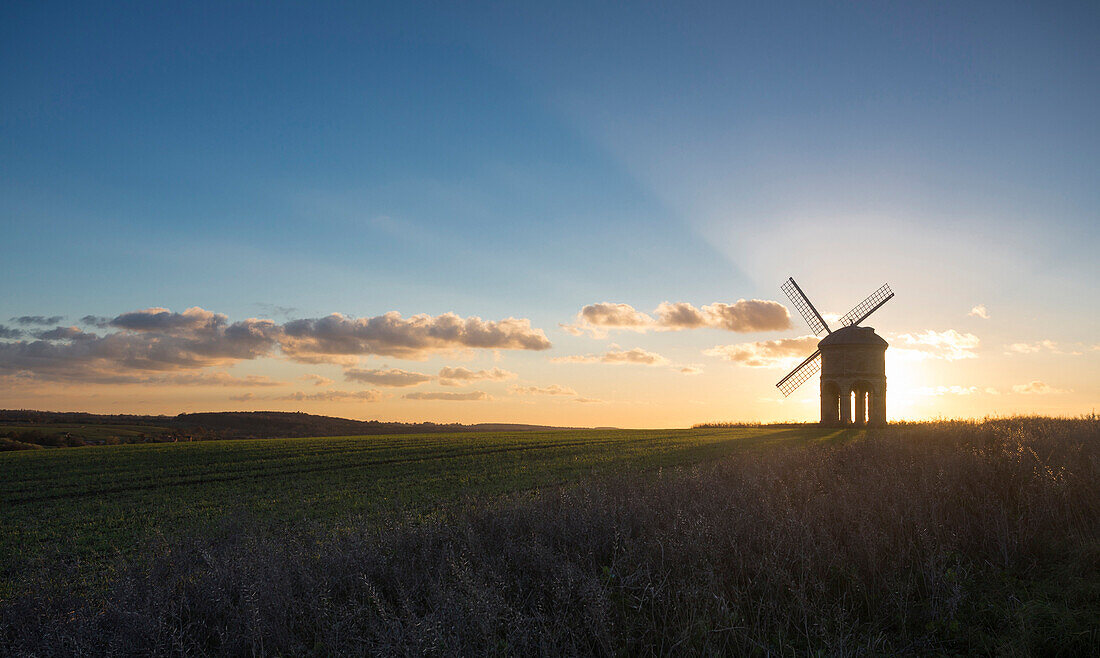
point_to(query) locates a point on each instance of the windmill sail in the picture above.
(802, 303)
(867, 306)
(799, 375)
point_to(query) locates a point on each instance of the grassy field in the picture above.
(103, 502)
(95, 432)
(942, 538)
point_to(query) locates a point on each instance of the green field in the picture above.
(89, 431)
(102, 502)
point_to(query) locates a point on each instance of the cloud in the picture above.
(149, 341)
(391, 377)
(949, 345)
(415, 337)
(281, 311)
(38, 319)
(681, 315)
(243, 397)
(463, 376)
(96, 321)
(748, 316)
(62, 333)
(156, 340)
(439, 395)
(317, 380)
(589, 401)
(691, 370)
(334, 396)
(743, 316)
(979, 311)
(552, 389)
(163, 320)
(1037, 387)
(218, 378)
(779, 353)
(634, 356)
(595, 318)
(1038, 346)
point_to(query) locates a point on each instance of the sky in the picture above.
(571, 214)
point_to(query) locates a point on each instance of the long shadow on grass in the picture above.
(779, 438)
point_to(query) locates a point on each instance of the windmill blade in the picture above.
(867, 306)
(802, 303)
(799, 375)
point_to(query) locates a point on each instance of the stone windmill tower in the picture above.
(852, 362)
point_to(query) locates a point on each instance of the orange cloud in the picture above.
(552, 389)
(635, 356)
(462, 376)
(317, 380)
(744, 316)
(458, 397)
(780, 353)
(392, 377)
(334, 396)
(1037, 387)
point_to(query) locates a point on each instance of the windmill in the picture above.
(851, 360)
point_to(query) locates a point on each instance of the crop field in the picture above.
(941, 538)
(101, 503)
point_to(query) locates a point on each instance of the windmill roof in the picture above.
(852, 336)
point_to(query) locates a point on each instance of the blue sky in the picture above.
(523, 160)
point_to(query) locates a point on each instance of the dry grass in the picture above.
(944, 537)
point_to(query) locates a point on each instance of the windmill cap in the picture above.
(853, 336)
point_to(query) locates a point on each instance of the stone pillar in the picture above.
(861, 405)
(845, 405)
(829, 402)
(878, 405)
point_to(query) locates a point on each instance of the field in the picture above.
(101, 502)
(924, 538)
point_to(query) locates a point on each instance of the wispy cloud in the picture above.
(460, 376)
(1036, 387)
(636, 356)
(318, 380)
(391, 377)
(1048, 346)
(948, 390)
(334, 396)
(42, 320)
(552, 389)
(949, 345)
(218, 378)
(979, 311)
(447, 395)
(779, 353)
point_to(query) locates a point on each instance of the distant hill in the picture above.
(79, 428)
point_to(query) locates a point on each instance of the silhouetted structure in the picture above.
(852, 362)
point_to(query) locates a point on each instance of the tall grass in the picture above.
(922, 538)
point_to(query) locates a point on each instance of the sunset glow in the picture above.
(497, 215)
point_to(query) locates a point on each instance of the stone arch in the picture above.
(863, 395)
(830, 403)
